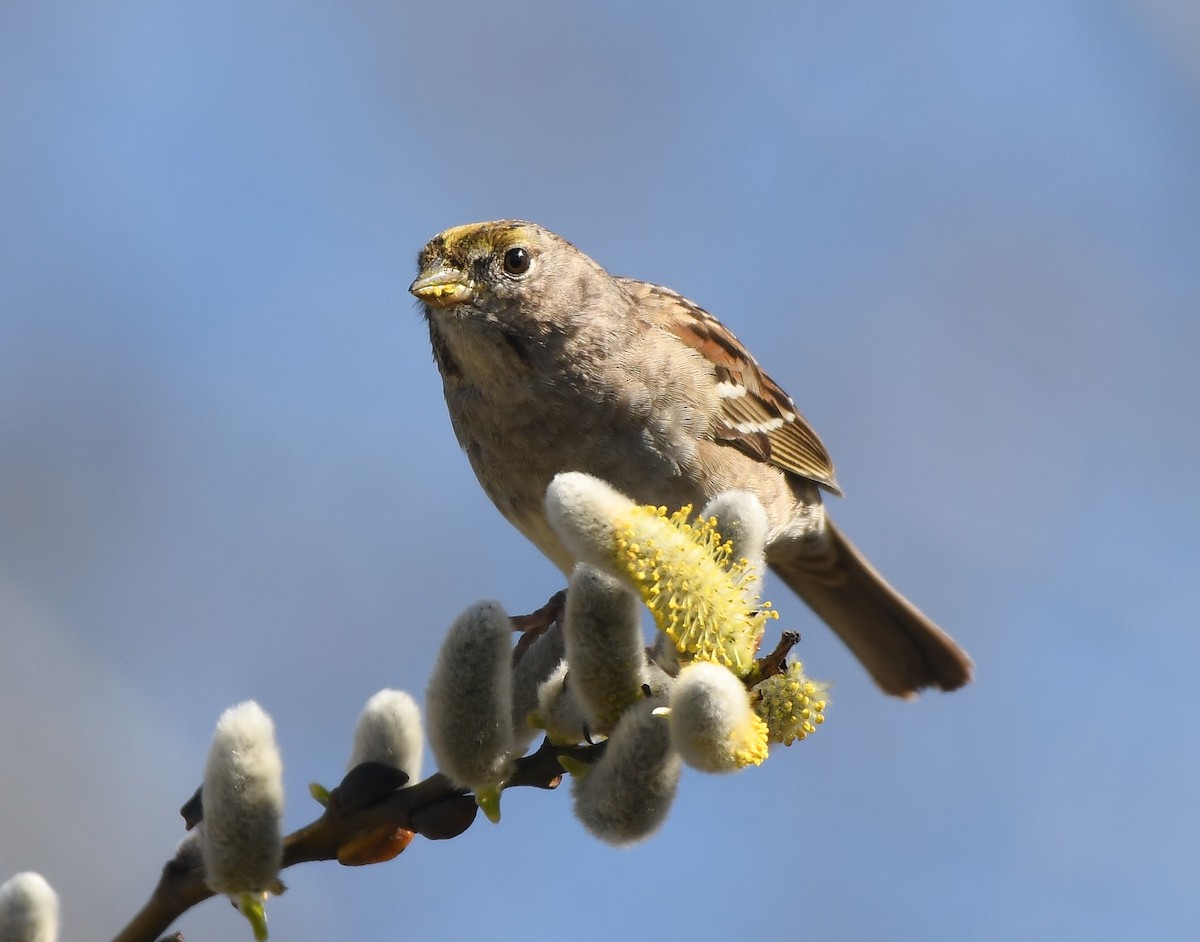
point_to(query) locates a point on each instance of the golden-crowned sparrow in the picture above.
(550, 364)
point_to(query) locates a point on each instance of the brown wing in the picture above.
(756, 416)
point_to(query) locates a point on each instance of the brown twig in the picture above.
(775, 662)
(434, 808)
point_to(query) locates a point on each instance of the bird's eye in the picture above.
(516, 261)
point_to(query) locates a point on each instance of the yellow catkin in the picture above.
(750, 748)
(683, 572)
(791, 705)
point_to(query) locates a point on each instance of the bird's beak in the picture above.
(444, 287)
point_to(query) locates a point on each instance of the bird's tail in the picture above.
(903, 650)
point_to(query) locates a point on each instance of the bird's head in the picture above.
(508, 271)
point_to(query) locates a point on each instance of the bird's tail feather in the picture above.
(903, 650)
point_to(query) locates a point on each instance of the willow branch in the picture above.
(435, 808)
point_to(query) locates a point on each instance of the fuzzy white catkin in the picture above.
(664, 655)
(712, 721)
(627, 794)
(659, 681)
(243, 803)
(537, 663)
(28, 909)
(469, 699)
(742, 520)
(581, 509)
(389, 731)
(604, 645)
(559, 713)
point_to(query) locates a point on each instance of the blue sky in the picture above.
(965, 237)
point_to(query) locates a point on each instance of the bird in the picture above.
(551, 364)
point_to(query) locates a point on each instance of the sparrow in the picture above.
(550, 364)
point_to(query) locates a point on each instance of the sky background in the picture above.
(965, 237)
